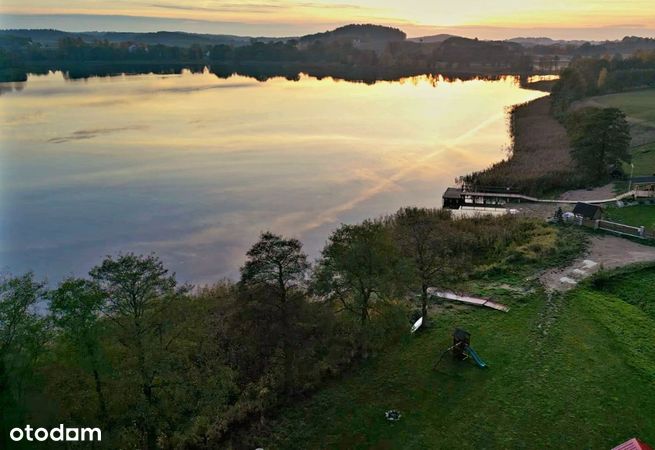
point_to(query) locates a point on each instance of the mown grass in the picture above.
(636, 104)
(643, 158)
(636, 286)
(637, 216)
(564, 372)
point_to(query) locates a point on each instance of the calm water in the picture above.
(193, 167)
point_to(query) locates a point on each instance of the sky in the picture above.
(497, 19)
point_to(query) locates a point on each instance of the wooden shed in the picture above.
(587, 211)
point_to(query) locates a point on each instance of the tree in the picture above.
(277, 263)
(137, 290)
(276, 266)
(358, 265)
(429, 241)
(76, 307)
(23, 334)
(571, 86)
(602, 78)
(601, 140)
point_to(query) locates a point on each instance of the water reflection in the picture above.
(194, 167)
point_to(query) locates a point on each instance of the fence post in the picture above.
(642, 231)
(597, 224)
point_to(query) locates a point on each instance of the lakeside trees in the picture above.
(358, 267)
(138, 292)
(22, 336)
(156, 365)
(432, 245)
(75, 309)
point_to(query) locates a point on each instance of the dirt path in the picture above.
(606, 191)
(608, 252)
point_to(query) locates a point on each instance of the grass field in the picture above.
(636, 104)
(576, 372)
(643, 157)
(637, 216)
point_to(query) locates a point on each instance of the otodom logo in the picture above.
(57, 434)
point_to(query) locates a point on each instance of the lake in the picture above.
(193, 167)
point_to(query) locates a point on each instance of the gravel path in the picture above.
(590, 194)
(608, 252)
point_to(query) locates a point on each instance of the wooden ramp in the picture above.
(454, 198)
(466, 299)
(554, 201)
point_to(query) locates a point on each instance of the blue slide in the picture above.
(476, 357)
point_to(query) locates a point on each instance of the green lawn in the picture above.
(574, 373)
(643, 158)
(636, 104)
(637, 216)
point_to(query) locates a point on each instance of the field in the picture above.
(643, 157)
(637, 216)
(564, 372)
(637, 105)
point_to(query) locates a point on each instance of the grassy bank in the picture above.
(540, 161)
(572, 372)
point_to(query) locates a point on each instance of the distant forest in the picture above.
(356, 52)
(596, 76)
(353, 52)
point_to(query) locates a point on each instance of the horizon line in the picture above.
(150, 24)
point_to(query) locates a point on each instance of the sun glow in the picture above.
(414, 16)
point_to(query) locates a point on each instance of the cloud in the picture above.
(262, 7)
(228, 7)
(91, 133)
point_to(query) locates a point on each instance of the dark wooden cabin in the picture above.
(587, 211)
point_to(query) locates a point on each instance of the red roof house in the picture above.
(633, 444)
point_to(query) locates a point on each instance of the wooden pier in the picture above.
(455, 198)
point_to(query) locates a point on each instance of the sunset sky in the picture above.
(564, 19)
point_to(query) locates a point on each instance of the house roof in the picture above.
(452, 193)
(586, 210)
(643, 180)
(633, 444)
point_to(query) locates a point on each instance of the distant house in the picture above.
(643, 183)
(633, 444)
(587, 211)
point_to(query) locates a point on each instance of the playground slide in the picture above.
(476, 357)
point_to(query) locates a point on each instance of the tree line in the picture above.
(156, 364)
(587, 77)
(379, 49)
